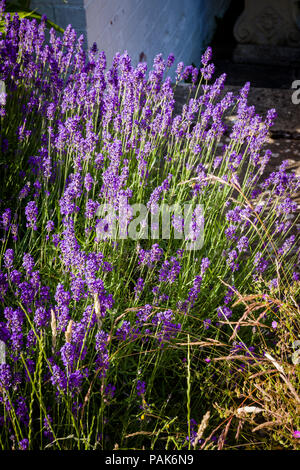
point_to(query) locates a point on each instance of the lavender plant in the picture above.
(97, 330)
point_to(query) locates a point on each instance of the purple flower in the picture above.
(47, 427)
(287, 245)
(144, 314)
(124, 332)
(5, 376)
(14, 323)
(260, 263)
(59, 379)
(91, 208)
(51, 111)
(77, 288)
(140, 387)
(62, 298)
(102, 359)
(232, 256)
(169, 270)
(88, 182)
(15, 276)
(28, 263)
(207, 323)
(24, 191)
(230, 232)
(22, 410)
(67, 353)
(193, 426)
(224, 312)
(50, 226)
(55, 239)
(138, 289)
(23, 444)
(296, 276)
(208, 71)
(8, 258)
(152, 204)
(166, 328)
(234, 215)
(170, 60)
(187, 72)
(271, 116)
(41, 317)
(206, 56)
(6, 217)
(26, 292)
(179, 69)
(273, 284)
(14, 231)
(150, 257)
(242, 347)
(217, 162)
(31, 341)
(109, 391)
(196, 225)
(286, 207)
(195, 73)
(242, 244)
(229, 295)
(205, 262)
(192, 295)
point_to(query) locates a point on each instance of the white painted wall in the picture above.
(142, 27)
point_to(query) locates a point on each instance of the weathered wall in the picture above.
(143, 27)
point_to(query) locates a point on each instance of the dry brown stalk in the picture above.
(229, 358)
(68, 333)
(97, 308)
(239, 428)
(202, 427)
(268, 424)
(221, 440)
(208, 342)
(143, 433)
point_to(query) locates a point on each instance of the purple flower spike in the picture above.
(8, 258)
(206, 56)
(139, 287)
(6, 217)
(28, 263)
(140, 387)
(207, 323)
(31, 212)
(23, 444)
